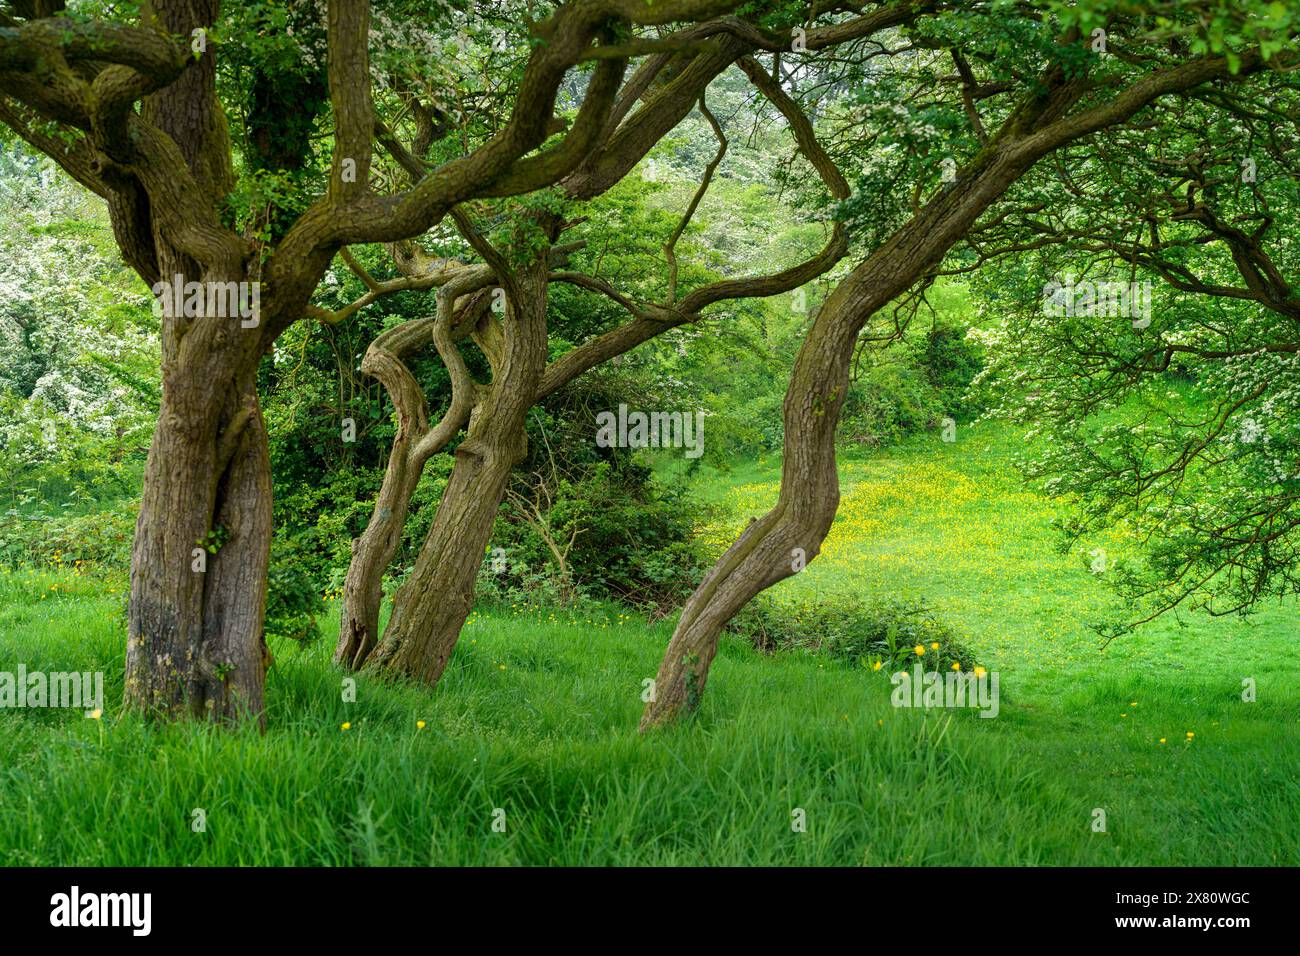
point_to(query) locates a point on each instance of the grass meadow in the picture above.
(528, 753)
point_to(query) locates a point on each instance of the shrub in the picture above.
(885, 632)
(951, 361)
(633, 541)
(91, 541)
(292, 598)
(910, 389)
(887, 402)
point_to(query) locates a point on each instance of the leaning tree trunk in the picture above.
(765, 552)
(430, 609)
(202, 542)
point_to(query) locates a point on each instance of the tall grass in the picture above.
(536, 718)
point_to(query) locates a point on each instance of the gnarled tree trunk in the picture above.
(430, 609)
(202, 543)
(373, 552)
(462, 310)
(765, 552)
(195, 640)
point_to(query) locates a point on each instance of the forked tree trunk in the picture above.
(415, 443)
(431, 607)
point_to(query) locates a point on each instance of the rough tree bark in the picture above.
(195, 642)
(430, 608)
(414, 445)
(195, 620)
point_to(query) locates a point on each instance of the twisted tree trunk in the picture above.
(765, 552)
(415, 444)
(373, 551)
(430, 609)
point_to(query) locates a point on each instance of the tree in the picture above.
(431, 608)
(251, 214)
(1072, 95)
(70, 85)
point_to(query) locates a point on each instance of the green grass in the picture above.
(537, 715)
(953, 525)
